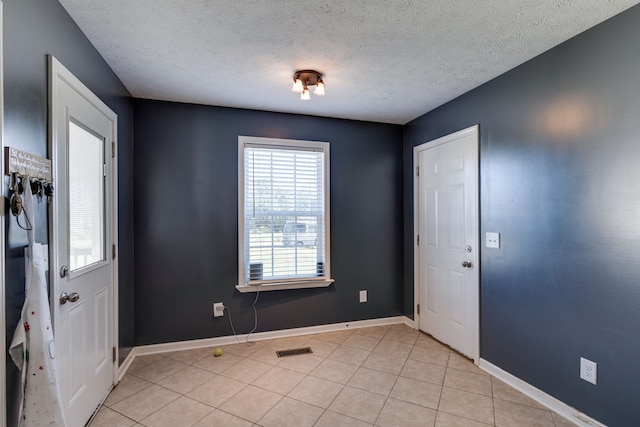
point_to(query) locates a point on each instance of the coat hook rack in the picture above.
(25, 164)
(22, 166)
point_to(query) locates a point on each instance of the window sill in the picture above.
(282, 286)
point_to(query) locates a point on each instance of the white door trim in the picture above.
(59, 71)
(476, 253)
(3, 340)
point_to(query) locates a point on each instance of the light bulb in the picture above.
(304, 96)
(319, 90)
(297, 86)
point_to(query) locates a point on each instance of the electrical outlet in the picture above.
(218, 309)
(363, 296)
(589, 371)
(493, 240)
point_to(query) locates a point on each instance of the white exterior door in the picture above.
(83, 129)
(447, 240)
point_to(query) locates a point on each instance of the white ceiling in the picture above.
(386, 61)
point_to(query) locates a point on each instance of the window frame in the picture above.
(280, 284)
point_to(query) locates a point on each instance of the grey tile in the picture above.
(506, 392)
(219, 418)
(393, 348)
(373, 381)
(352, 355)
(424, 372)
(145, 402)
(430, 355)
(402, 335)
(252, 403)
(304, 363)
(158, 370)
(181, 412)
(509, 414)
(216, 391)
(362, 341)
(333, 419)
(468, 381)
(218, 364)
(467, 405)
(448, 420)
(385, 363)
(186, 379)
(246, 370)
(291, 413)
(418, 392)
(279, 380)
(397, 413)
(108, 418)
(316, 391)
(129, 385)
(359, 404)
(333, 370)
(322, 348)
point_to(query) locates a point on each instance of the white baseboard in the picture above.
(124, 366)
(410, 323)
(261, 336)
(540, 396)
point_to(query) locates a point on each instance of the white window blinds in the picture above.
(285, 212)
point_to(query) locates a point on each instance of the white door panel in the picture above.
(82, 236)
(447, 227)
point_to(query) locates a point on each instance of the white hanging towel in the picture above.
(33, 349)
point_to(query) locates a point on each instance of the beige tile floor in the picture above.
(378, 376)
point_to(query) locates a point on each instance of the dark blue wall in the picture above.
(186, 221)
(33, 29)
(559, 156)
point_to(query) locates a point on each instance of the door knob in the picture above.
(63, 271)
(64, 297)
(466, 264)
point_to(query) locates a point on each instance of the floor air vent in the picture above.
(294, 352)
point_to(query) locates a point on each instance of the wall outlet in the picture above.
(363, 296)
(589, 371)
(493, 240)
(218, 309)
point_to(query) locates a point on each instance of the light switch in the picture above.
(493, 240)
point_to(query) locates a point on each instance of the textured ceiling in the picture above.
(387, 61)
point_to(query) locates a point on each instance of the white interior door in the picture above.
(447, 240)
(83, 129)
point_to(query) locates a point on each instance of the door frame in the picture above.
(3, 339)
(475, 130)
(59, 71)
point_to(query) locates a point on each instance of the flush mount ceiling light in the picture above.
(303, 79)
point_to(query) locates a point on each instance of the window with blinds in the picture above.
(284, 215)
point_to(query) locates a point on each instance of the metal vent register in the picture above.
(294, 351)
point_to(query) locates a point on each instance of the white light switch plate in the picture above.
(363, 296)
(493, 240)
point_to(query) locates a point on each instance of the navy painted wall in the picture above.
(33, 29)
(186, 221)
(559, 155)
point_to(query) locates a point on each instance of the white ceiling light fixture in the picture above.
(303, 79)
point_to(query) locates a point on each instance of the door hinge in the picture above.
(104, 170)
(418, 242)
(113, 148)
(113, 251)
(418, 308)
(113, 354)
(417, 170)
